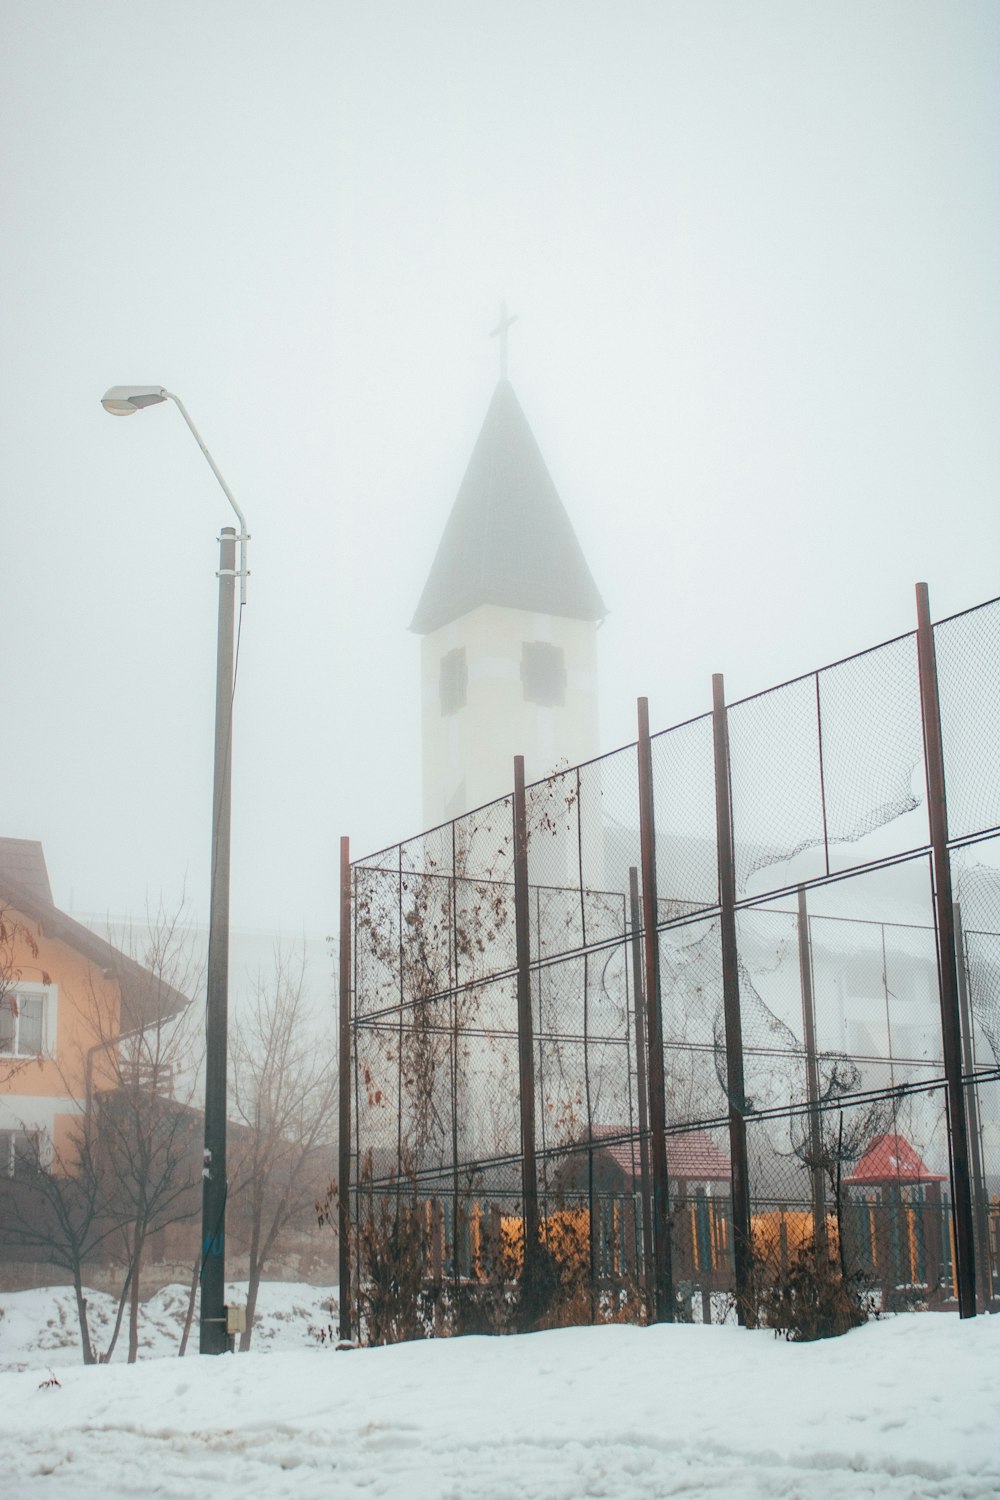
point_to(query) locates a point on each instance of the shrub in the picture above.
(811, 1298)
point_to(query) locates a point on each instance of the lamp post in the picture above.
(123, 401)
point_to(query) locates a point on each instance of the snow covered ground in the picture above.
(902, 1408)
(39, 1328)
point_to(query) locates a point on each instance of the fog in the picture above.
(753, 252)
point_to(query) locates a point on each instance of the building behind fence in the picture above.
(729, 990)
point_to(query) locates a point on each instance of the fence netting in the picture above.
(843, 1108)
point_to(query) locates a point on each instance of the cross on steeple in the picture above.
(500, 331)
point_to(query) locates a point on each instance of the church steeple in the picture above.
(508, 540)
(508, 617)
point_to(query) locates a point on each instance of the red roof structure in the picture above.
(693, 1156)
(890, 1159)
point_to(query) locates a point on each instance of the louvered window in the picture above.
(543, 674)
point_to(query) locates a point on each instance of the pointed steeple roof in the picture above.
(508, 540)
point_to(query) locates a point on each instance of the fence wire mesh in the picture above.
(843, 1107)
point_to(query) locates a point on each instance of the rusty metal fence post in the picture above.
(812, 1074)
(980, 1199)
(735, 1084)
(944, 911)
(525, 1030)
(344, 1085)
(641, 1057)
(663, 1288)
(457, 1228)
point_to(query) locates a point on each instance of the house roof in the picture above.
(508, 540)
(143, 993)
(693, 1156)
(23, 863)
(891, 1158)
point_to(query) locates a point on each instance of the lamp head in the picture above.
(123, 400)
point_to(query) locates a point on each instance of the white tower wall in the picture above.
(469, 746)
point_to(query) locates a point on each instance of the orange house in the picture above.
(68, 999)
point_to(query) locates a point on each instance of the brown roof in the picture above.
(23, 863)
(143, 993)
(693, 1156)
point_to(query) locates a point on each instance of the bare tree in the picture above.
(829, 1139)
(128, 1161)
(147, 1131)
(55, 1205)
(284, 1095)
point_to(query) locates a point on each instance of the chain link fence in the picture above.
(508, 1024)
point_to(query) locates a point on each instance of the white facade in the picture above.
(497, 683)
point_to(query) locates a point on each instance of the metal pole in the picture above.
(735, 1085)
(984, 1279)
(457, 1229)
(951, 1031)
(244, 534)
(213, 1338)
(344, 1086)
(663, 1280)
(525, 1030)
(812, 1075)
(593, 1219)
(640, 1067)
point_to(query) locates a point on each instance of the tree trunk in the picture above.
(81, 1312)
(189, 1316)
(252, 1288)
(133, 1311)
(842, 1249)
(254, 1268)
(106, 1356)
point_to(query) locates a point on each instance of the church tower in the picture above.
(509, 619)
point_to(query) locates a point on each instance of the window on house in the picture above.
(543, 674)
(454, 680)
(22, 1021)
(19, 1153)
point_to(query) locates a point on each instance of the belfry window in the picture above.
(543, 674)
(454, 680)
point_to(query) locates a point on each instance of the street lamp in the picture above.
(126, 400)
(123, 401)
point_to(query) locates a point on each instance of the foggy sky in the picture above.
(753, 251)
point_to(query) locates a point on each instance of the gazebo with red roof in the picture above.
(889, 1161)
(898, 1220)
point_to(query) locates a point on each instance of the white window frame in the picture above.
(49, 996)
(8, 1149)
